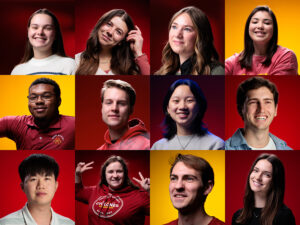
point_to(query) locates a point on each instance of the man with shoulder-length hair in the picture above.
(118, 99)
(45, 128)
(191, 180)
(257, 104)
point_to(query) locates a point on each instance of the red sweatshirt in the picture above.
(214, 221)
(284, 62)
(136, 138)
(125, 206)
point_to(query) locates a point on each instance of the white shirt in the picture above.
(52, 65)
(23, 217)
(270, 146)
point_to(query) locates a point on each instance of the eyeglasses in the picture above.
(44, 97)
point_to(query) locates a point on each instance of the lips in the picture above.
(176, 42)
(40, 109)
(40, 194)
(106, 38)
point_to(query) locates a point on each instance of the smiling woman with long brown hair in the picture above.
(114, 47)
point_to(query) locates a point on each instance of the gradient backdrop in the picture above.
(238, 164)
(237, 12)
(285, 124)
(14, 15)
(213, 89)
(14, 102)
(162, 210)
(90, 128)
(137, 161)
(161, 14)
(13, 198)
(88, 12)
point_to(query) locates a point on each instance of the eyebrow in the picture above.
(264, 99)
(264, 171)
(255, 18)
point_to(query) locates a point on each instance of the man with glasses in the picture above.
(45, 128)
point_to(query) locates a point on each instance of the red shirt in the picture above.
(125, 206)
(28, 136)
(214, 221)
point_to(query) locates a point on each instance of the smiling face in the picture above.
(115, 108)
(185, 187)
(41, 32)
(42, 102)
(261, 27)
(259, 109)
(39, 189)
(182, 36)
(114, 174)
(261, 177)
(112, 32)
(183, 107)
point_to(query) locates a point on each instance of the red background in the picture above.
(14, 15)
(284, 124)
(213, 89)
(238, 164)
(88, 12)
(90, 128)
(161, 14)
(13, 198)
(137, 161)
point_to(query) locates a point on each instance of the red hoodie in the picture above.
(136, 138)
(125, 206)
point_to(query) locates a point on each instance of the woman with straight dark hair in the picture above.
(44, 50)
(190, 49)
(261, 54)
(115, 200)
(114, 47)
(184, 107)
(264, 194)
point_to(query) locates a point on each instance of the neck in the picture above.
(259, 200)
(38, 54)
(116, 134)
(40, 213)
(183, 131)
(183, 58)
(194, 218)
(105, 53)
(260, 49)
(256, 138)
(45, 123)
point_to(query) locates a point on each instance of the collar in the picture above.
(28, 219)
(186, 67)
(30, 122)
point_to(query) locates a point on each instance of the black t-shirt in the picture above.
(283, 217)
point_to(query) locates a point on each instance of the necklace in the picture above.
(183, 147)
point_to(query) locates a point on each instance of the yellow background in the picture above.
(14, 102)
(161, 208)
(287, 15)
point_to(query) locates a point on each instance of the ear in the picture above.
(167, 112)
(56, 185)
(58, 102)
(276, 108)
(209, 187)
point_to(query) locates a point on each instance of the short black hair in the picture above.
(45, 80)
(38, 164)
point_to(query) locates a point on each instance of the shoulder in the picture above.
(284, 216)
(19, 69)
(77, 58)
(236, 215)
(62, 220)
(68, 118)
(12, 218)
(231, 63)
(216, 221)
(283, 54)
(217, 69)
(280, 144)
(160, 144)
(212, 141)
(174, 222)
(236, 141)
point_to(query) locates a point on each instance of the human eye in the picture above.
(32, 179)
(47, 96)
(175, 100)
(173, 178)
(119, 32)
(188, 29)
(190, 179)
(32, 97)
(33, 26)
(173, 26)
(255, 170)
(190, 100)
(108, 102)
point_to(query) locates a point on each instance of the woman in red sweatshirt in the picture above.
(116, 200)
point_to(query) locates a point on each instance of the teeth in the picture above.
(261, 118)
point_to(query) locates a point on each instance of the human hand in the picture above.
(143, 182)
(82, 167)
(136, 41)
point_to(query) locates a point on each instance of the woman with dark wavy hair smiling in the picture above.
(184, 107)
(114, 47)
(190, 49)
(263, 199)
(261, 54)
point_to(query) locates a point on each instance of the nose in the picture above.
(109, 31)
(260, 25)
(114, 106)
(260, 107)
(179, 33)
(179, 185)
(41, 184)
(258, 176)
(39, 99)
(182, 104)
(40, 31)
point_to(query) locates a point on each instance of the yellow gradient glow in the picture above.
(286, 12)
(161, 208)
(13, 98)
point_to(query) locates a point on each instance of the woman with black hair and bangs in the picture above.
(184, 107)
(264, 194)
(262, 55)
(114, 47)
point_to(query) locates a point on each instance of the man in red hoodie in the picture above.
(118, 99)
(191, 180)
